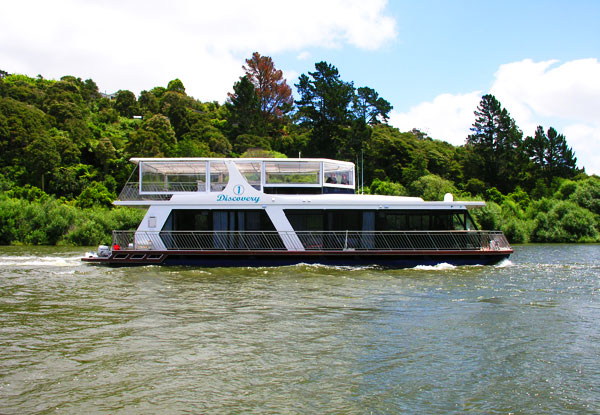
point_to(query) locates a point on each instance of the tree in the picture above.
(89, 91)
(432, 187)
(416, 169)
(380, 187)
(324, 105)
(273, 92)
(388, 151)
(370, 107)
(64, 102)
(560, 159)
(176, 86)
(244, 106)
(41, 157)
(493, 145)
(175, 106)
(126, 103)
(105, 151)
(205, 134)
(148, 102)
(154, 138)
(96, 194)
(550, 155)
(20, 124)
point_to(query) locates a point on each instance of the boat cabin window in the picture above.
(219, 176)
(160, 178)
(380, 220)
(172, 177)
(285, 173)
(218, 220)
(338, 174)
(330, 220)
(430, 220)
(220, 229)
(251, 170)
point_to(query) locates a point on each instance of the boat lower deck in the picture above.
(216, 248)
(395, 259)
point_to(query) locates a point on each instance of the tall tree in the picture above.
(370, 107)
(244, 106)
(560, 159)
(550, 154)
(272, 90)
(494, 145)
(324, 105)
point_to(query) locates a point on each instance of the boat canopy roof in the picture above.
(279, 165)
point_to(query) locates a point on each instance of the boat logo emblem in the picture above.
(238, 190)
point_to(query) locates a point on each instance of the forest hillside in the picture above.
(64, 151)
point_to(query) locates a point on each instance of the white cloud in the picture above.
(303, 55)
(448, 117)
(141, 44)
(565, 96)
(568, 91)
(585, 141)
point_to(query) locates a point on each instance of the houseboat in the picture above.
(255, 212)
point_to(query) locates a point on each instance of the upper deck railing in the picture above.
(332, 241)
(131, 192)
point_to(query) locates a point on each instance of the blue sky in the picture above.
(433, 60)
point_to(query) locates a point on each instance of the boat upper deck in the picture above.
(159, 179)
(248, 181)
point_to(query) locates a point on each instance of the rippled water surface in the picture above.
(521, 337)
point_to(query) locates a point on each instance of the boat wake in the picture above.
(336, 267)
(504, 263)
(36, 261)
(438, 267)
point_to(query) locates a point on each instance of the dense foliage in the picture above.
(64, 150)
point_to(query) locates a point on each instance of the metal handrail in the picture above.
(131, 192)
(334, 241)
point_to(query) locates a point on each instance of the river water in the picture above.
(522, 337)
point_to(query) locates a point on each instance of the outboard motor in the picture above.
(103, 251)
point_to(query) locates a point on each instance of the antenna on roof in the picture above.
(362, 172)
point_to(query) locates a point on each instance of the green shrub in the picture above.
(516, 230)
(494, 195)
(488, 217)
(380, 187)
(566, 189)
(565, 222)
(88, 234)
(96, 194)
(432, 187)
(475, 187)
(587, 195)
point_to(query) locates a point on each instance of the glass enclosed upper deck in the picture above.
(156, 179)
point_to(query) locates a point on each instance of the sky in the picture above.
(432, 60)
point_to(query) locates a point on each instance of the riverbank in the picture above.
(52, 222)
